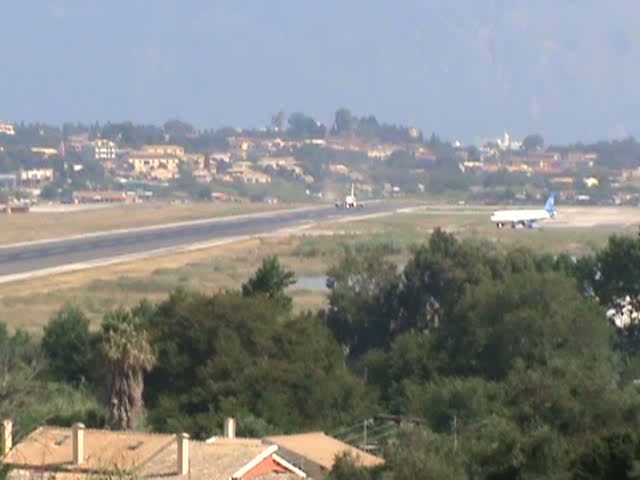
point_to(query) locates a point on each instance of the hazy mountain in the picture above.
(465, 69)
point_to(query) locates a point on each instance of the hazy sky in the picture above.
(466, 69)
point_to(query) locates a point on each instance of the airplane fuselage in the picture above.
(519, 217)
(525, 218)
(350, 202)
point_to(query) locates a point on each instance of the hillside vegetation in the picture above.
(510, 365)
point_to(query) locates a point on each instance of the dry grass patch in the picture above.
(29, 304)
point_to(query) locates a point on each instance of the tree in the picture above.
(419, 453)
(271, 280)
(277, 121)
(26, 395)
(178, 129)
(302, 126)
(127, 351)
(435, 279)
(610, 456)
(617, 269)
(306, 380)
(613, 276)
(495, 450)
(20, 366)
(229, 354)
(446, 400)
(368, 127)
(346, 467)
(187, 182)
(344, 122)
(527, 318)
(533, 142)
(68, 346)
(362, 300)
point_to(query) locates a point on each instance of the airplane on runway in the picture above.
(525, 218)
(350, 200)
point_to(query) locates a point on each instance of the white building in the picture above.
(36, 176)
(7, 128)
(104, 150)
(506, 143)
(223, 157)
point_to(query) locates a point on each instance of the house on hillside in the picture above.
(566, 181)
(423, 153)
(577, 159)
(36, 177)
(277, 162)
(538, 162)
(382, 151)
(339, 169)
(164, 150)
(105, 150)
(248, 176)
(243, 172)
(591, 182)
(284, 164)
(80, 142)
(153, 165)
(7, 128)
(195, 161)
(102, 196)
(45, 152)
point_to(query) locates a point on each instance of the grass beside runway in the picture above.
(414, 227)
(29, 304)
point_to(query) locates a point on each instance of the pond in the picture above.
(316, 283)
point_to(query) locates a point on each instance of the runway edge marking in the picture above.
(105, 262)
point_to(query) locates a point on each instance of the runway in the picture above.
(19, 259)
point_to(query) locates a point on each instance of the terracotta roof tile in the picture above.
(214, 461)
(322, 449)
(52, 447)
(47, 453)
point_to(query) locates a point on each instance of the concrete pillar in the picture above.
(78, 443)
(230, 427)
(183, 453)
(7, 436)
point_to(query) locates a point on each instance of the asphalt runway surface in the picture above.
(24, 258)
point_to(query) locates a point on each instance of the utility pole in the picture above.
(365, 435)
(455, 433)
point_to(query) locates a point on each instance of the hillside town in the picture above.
(305, 161)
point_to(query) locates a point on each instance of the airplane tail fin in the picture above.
(550, 206)
(352, 190)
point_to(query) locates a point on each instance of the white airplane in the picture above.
(525, 218)
(350, 200)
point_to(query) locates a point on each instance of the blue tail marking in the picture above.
(550, 206)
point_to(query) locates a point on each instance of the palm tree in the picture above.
(128, 353)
